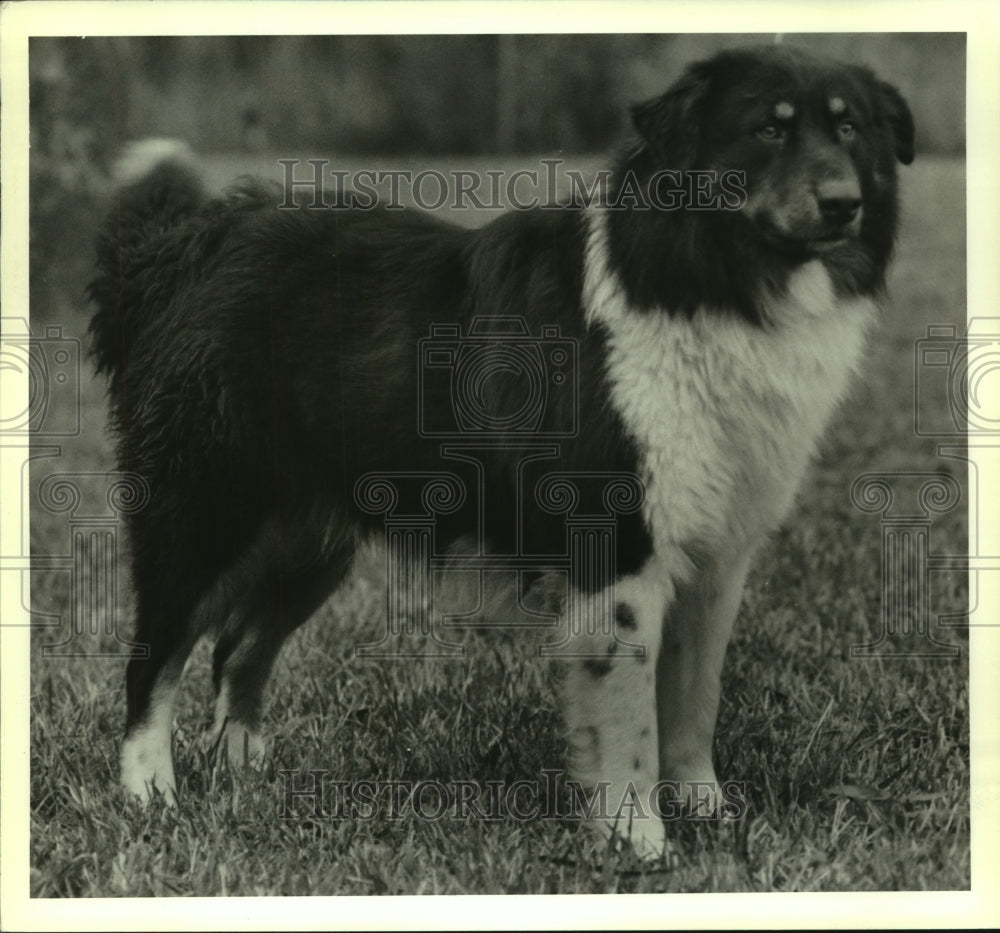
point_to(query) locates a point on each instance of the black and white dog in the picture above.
(262, 362)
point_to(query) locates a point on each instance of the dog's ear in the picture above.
(900, 120)
(671, 124)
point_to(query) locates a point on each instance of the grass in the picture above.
(856, 771)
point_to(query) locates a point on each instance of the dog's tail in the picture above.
(159, 186)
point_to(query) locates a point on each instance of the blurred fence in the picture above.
(423, 94)
(294, 96)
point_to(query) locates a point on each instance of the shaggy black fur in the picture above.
(262, 360)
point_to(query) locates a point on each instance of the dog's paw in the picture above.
(692, 792)
(147, 768)
(241, 746)
(646, 838)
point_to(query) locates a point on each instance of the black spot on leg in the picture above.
(625, 617)
(644, 732)
(636, 764)
(597, 667)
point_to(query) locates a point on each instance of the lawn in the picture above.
(856, 769)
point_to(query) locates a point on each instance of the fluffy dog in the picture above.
(263, 363)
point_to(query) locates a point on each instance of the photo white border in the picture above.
(980, 907)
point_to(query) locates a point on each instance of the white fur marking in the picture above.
(611, 718)
(146, 760)
(725, 413)
(140, 158)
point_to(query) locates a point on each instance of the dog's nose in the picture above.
(839, 201)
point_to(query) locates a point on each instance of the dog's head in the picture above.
(814, 141)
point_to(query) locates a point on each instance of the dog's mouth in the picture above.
(805, 244)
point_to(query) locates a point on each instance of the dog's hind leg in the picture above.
(167, 628)
(248, 646)
(146, 759)
(187, 582)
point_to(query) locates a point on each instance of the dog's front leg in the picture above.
(609, 700)
(696, 630)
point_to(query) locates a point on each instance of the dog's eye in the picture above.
(846, 130)
(770, 132)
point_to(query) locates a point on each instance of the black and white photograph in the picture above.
(514, 455)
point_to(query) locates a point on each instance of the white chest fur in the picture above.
(725, 414)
